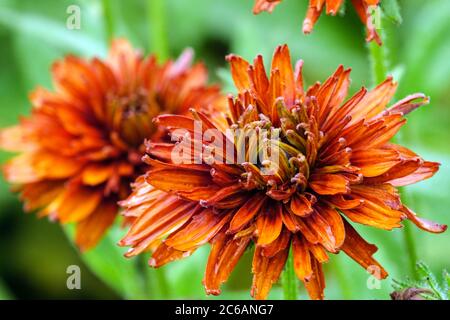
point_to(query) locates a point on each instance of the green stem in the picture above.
(410, 243)
(380, 62)
(156, 10)
(154, 281)
(108, 19)
(408, 238)
(289, 279)
(341, 277)
(162, 283)
(145, 286)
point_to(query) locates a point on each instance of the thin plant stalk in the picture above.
(289, 279)
(157, 28)
(379, 59)
(108, 20)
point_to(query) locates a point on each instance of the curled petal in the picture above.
(424, 224)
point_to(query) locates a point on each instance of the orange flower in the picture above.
(335, 163)
(315, 8)
(82, 145)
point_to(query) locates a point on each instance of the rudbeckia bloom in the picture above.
(82, 145)
(364, 9)
(335, 165)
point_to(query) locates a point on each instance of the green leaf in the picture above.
(51, 32)
(107, 262)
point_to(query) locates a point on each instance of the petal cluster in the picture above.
(336, 167)
(82, 145)
(364, 9)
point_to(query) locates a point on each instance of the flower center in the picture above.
(281, 167)
(131, 118)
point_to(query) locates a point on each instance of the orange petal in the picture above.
(334, 220)
(329, 184)
(279, 244)
(165, 254)
(400, 172)
(269, 225)
(408, 104)
(225, 254)
(246, 213)
(239, 72)
(95, 174)
(383, 194)
(319, 252)
(312, 14)
(202, 228)
(282, 61)
(260, 83)
(13, 139)
(375, 162)
(40, 194)
(425, 171)
(361, 251)
(319, 226)
(266, 271)
(333, 6)
(343, 201)
(375, 215)
(316, 284)
(265, 5)
(424, 224)
(160, 218)
(90, 230)
(301, 206)
(173, 180)
(375, 101)
(161, 151)
(302, 260)
(20, 169)
(78, 203)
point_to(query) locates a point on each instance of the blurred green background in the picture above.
(34, 254)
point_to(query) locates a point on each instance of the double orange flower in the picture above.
(335, 164)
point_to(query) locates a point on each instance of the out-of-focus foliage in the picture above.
(35, 253)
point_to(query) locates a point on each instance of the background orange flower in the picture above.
(82, 145)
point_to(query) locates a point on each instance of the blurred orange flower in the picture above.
(364, 8)
(335, 164)
(82, 145)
